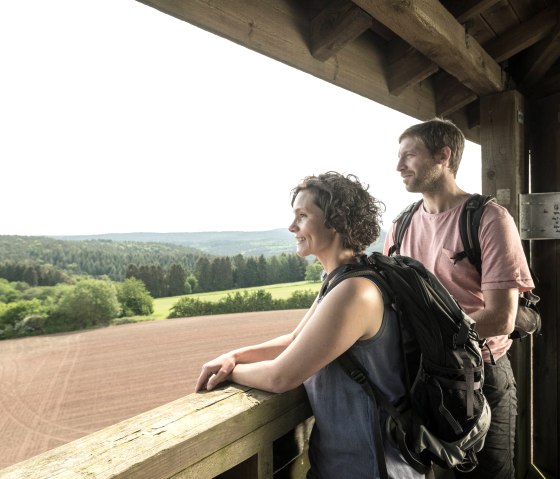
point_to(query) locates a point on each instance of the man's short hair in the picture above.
(437, 133)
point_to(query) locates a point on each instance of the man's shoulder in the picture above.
(493, 210)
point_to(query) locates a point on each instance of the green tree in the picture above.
(176, 280)
(239, 271)
(8, 292)
(191, 284)
(262, 271)
(203, 273)
(222, 274)
(313, 271)
(90, 303)
(134, 298)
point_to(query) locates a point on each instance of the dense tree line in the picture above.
(32, 273)
(219, 274)
(165, 269)
(94, 257)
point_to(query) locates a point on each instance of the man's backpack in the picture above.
(528, 320)
(445, 417)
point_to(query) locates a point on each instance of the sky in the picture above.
(115, 118)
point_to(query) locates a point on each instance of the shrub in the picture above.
(134, 298)
(90, 303)
(11, 313)
(300, 299)
(259, 300)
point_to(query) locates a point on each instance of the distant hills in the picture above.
(219, 243)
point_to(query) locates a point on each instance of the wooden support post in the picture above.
(265, 466)
(502, 148)
(504, 175)
(544, 145)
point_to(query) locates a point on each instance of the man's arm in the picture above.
(498, 315)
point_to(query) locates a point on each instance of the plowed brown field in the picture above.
(57, 388)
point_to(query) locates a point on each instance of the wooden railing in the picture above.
(234, 432)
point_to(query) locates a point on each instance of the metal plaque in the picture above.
(539, 216)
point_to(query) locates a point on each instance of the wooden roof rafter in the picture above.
(422, 57)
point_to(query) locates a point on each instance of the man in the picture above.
(429, 157)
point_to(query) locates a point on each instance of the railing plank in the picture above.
(209, 432)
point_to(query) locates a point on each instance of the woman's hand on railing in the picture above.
(215, 372)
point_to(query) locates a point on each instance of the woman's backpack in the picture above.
(446, 417)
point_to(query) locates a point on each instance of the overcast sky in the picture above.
(115, 117)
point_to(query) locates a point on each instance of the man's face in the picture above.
(419, 170)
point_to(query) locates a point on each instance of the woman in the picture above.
(335, 219)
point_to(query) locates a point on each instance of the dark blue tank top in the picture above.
(342, 441)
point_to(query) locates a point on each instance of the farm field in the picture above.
(57, 388)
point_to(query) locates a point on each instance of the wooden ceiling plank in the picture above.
(540, 58)
(500, 17)
(465, 10)
(451, 95)
(436, 33)
(522, 36)
(337, 25)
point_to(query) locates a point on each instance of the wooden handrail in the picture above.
(199, 436)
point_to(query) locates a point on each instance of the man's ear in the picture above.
(444, 155)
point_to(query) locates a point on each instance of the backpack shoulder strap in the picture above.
(469, 221)
(402, 222)
(356, 371)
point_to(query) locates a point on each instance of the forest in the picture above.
(49, 285)
(165, 269)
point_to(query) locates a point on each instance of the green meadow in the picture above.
(162, 306)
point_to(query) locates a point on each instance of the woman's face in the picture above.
(308, 226)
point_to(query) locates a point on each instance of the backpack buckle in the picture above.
(358, 376)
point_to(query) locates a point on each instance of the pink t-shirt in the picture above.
(434, 239)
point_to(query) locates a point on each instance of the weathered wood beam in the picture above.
(201, 435)
(451, 95)
(406, 66)
(436, 33)
(522, 36)
(540, 58)
(279, 30)
(412, 67)
(336, 26)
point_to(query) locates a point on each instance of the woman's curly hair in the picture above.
(348, 207)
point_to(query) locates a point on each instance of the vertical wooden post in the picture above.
(265, 462)
(504, 175)
(544, 145)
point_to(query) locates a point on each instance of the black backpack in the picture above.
(528, 320)
(445, 417)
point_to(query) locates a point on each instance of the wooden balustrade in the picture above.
(233, 432)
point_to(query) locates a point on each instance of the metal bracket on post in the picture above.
(539, 216)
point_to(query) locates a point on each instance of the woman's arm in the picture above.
(219, 369)
(353, 310)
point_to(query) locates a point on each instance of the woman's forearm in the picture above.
(263, 351)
